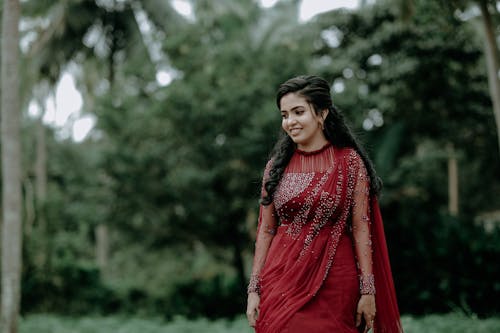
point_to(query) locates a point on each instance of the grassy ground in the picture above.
(456, 323)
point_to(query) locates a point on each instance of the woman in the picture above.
(320, 262)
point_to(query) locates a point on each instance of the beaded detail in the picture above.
(338, 228)
(290, 186)
(367, 284)
(254, 284)
(301, 218)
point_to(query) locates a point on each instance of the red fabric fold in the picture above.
(387, 319)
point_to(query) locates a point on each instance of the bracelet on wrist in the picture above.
(254, 284)
(367, 284)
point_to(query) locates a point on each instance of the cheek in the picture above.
(283, 124)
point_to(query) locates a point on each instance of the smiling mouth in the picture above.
(294, 131)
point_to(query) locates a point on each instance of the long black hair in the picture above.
(316, 91)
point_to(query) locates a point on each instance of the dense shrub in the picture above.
(69, 288)
(443, 264)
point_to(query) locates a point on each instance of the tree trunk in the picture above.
(29, 206)
(102, 248)
(41, 170)
(491, 53)
(41, 190)
(11, 167)
(452, 181)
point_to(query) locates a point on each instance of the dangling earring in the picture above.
(322, 123)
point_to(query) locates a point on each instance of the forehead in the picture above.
(292, 100)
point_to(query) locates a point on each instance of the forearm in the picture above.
(362, 233)
(265, 233)
(264, 240)
(363, 250)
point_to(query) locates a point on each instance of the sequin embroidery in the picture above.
(290, 186)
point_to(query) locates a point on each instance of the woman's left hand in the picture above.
(366, 309)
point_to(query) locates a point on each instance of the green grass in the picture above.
(457, 323)
(117, 324)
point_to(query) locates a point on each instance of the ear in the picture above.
(324, 113)
(322, 116)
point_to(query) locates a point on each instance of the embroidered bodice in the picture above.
(321, 192)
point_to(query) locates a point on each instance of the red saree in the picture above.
(328, 232)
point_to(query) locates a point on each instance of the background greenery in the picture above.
(52, 324)
(172, 173)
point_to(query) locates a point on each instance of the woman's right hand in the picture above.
(252, 308)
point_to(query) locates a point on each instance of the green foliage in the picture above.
(174, 171)
(454, 322)
(189, 157)
(427, 79)
(71, 288)
(53, 324)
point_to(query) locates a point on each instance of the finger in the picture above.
(368, 319)
(251, 320)
(358, 319)
(369, 326)
(369, 323)
(249, 315)
(252, 317)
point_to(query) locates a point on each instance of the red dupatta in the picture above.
(387, 318)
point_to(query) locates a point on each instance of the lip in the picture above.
(295, 131)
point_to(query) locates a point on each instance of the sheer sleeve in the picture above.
(266, 230)
(361, 228)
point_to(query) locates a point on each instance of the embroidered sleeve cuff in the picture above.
(254, 285)
(367, 284)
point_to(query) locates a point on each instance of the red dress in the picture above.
(320, 234)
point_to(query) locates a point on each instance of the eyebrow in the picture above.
(294, 108)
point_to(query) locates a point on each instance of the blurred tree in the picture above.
(94, 35)
(174, 165)
(11, 168)
(409, 103)
(188, 159)
(491, 54)
(487, 9)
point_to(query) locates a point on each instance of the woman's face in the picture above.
(301, 123)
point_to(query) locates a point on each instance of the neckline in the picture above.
(313, 152)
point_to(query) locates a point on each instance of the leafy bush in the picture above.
(70, 288)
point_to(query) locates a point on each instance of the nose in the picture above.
(291, 120)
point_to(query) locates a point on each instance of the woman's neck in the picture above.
(316, 145)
